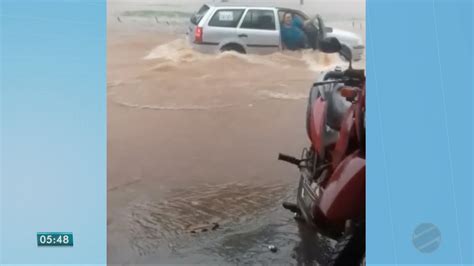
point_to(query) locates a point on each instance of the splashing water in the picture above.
(181, 78)
(179, 51)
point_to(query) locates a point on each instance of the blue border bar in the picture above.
(53, 132)
(419, 153)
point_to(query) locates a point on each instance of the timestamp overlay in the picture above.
(53, 132)
(54, 239)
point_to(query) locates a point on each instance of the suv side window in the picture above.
(259, 19)
(281, 13)
(228, 18)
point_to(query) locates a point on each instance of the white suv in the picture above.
(244, 29)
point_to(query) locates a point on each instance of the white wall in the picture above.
(329, 9)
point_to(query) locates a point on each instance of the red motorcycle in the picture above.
(331, 191)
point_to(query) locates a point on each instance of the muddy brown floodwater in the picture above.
(192, 147)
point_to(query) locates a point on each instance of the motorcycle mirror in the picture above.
(330, 45)
(347, 54)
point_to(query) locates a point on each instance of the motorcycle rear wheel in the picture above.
(350, 249)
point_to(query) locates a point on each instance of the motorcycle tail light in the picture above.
(348, 92)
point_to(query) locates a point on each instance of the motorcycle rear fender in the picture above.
(343, 197)
(345, 134)
(317, 125)
(360, 118)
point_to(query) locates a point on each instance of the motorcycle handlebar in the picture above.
(350, 77)
(289, 159)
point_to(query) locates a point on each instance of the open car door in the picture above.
(315, 30)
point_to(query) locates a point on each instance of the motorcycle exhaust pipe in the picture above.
(289, 159)
(291, 207)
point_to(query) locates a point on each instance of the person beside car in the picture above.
(292, 34)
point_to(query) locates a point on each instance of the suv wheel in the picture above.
(233, 47)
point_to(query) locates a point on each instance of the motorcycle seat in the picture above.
(337, 104)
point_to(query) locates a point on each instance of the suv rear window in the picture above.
(228, 18)
(259, 19)
(198, 16)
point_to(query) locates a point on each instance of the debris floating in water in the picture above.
(200, 228)
(272, 248)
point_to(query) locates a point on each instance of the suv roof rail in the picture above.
(238, 5)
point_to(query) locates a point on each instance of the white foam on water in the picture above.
(177, 59)
(264, 95)
(179, 51)
(174, 107)
(282, 95)
(317, 61)
(175, 51)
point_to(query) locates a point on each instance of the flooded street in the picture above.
(192, 147)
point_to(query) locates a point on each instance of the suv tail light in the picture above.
(198, 35)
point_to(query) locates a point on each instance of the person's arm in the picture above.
(298, 22)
